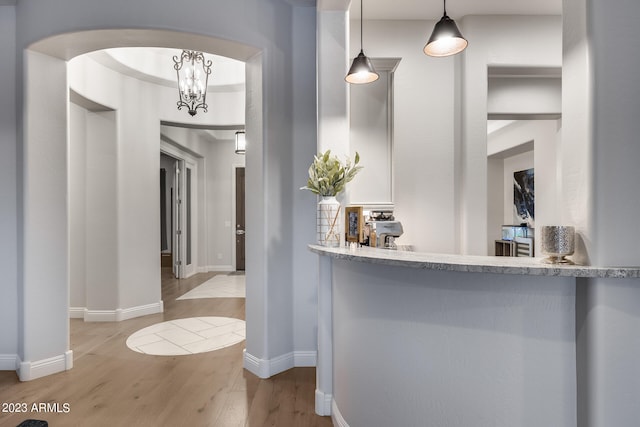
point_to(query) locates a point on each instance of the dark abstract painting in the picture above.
(523, 197)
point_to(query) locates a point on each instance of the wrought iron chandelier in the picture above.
(192, 70)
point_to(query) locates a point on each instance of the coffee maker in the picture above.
(383, 230)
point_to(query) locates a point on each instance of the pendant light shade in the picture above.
(446, 38)
(361, 70)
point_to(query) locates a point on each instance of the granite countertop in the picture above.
(472, 263)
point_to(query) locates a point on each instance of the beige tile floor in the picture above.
(195, 334)
(223, 286)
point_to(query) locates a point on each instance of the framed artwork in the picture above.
(524, 197)
(353, 223)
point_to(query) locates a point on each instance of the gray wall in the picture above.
(417, 347)
(9, 303)
(266, 29)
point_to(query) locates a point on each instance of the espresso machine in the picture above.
(383, 230)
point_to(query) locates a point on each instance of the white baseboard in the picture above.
(76, 312)
(99, 315)
(336, 416)
(8, 362)
(28, 371)
(323, 403)
(141, 310)
(209, 268)
(304, 359)
(119, 314)
(266, 368)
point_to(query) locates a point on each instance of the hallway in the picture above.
(115, 386)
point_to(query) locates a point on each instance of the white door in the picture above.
(189, 217)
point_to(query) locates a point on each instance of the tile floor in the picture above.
(222, 286)
(196, 334)
(188, 336)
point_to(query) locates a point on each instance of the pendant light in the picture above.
(192, 70)
(446, 38)
(241, 142)
(361, 70)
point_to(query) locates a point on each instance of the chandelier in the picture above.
(193, 71)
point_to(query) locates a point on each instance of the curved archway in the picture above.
(45, 241)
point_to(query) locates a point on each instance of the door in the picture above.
(178, 216)
(240, 230)
(189, 211)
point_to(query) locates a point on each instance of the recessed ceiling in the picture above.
(156, 65)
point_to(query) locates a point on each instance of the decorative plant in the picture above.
(328, 175)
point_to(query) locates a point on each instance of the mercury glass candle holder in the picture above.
(557, 242)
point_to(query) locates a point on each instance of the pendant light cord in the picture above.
(444, 6)
(361, 25)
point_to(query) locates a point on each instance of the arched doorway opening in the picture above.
(45, 243)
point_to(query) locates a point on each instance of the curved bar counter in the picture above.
(414, 339)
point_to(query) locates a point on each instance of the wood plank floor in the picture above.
(110, 385)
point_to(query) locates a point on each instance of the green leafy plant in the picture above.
(328, 175)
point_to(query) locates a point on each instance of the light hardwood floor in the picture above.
(110, 385)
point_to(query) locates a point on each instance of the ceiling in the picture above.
(156, 65)
(432, 9)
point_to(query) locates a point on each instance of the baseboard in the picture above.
(336, 416)
(28, 371)
(141, 310)
(208, 268)
(99, 315)
(121, 314)
(323, 403)
(305, 359)
(8, 362)
(76, 312)
(266, 368)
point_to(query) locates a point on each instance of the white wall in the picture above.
(44, 232)
(93, 202)
(600, 173)
(531, 95)
(424, 133)
(221, 161)
(77, 208)
(440, 148)
(8, 192)
(532, 41)
(122, 165)
(304, 114)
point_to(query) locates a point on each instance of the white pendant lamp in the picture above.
(361, 70)
(446, 39)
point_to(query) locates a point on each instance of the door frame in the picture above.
(189, 162)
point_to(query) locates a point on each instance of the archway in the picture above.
(45, 242)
